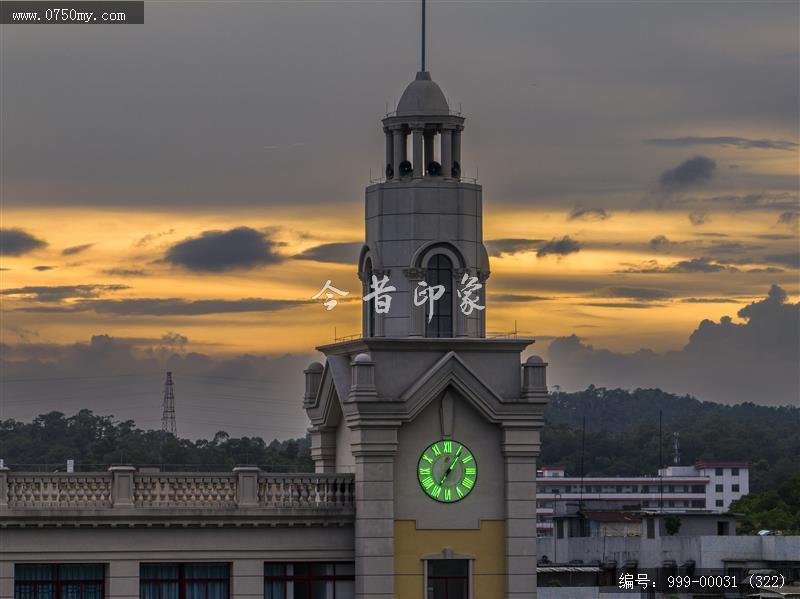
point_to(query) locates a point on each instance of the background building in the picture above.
(705, 486)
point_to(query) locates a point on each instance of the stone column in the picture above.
(374, 449)
(247, 486)
(380, 325)
(247, 579)
(399, 153)
(534, 380)
(429, 154)
(520, 449)
(6, 579)
(447, 153)
(122, 486)
(419, 314)
(4, 486)
(460, 320)
(483, 276)
(389, 150)
(323, 449)
(123, 579)
(456, 148)
(416, 146)
(313, 377)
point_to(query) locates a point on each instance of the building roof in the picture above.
(558, 568)
(612, 516)
(560, 480)
(721, 464)
(422, 97)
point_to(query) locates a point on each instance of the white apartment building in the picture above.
(708, 485)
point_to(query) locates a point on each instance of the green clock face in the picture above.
(447, 471)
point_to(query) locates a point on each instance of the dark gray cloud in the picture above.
(219, 251)
(242, 394)
(754, 201)
(702, 264)
(637, 293)
(559, 247)
(57, 293)
(580, 213)
(634, 305)
(517, 298)
(688, 174)
(727, 362)
(775, 236)
(733, 247)
(76, 249)
(168, 306)
(698, 218)
(498, 247)
(43, 268)
(340, 253)
(789, 219)
(659, 242)
(151, 237)
(126, 272)
(765, 270)
(723, 141)
(792, 260)
(15, 242)
(710, 300)
(694, 265)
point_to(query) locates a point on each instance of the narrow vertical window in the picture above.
(440, 272)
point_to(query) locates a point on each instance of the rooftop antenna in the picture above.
(423, 38)
(168, 408)
(676, 450)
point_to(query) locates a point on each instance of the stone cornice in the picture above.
(426, 344)
(176, 519)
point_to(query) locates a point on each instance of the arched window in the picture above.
(440, 272)
(369, 305)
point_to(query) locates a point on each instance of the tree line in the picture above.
(626, 433)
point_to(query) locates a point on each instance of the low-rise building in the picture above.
(705, 486)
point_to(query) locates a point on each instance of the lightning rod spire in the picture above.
(422, 37)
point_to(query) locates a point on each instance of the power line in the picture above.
(76, 378)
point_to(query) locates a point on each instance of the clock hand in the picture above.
(455, 459)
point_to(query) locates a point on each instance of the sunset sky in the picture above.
(174, 193)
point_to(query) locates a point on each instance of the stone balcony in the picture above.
(123, 497)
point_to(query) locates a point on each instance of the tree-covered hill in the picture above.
(95, 442)
(622, 434)
(622, 438)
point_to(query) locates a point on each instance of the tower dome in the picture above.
(422, 97)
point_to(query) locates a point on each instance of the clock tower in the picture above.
(439, 423)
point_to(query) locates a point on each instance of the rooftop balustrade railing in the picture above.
(124, 487)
